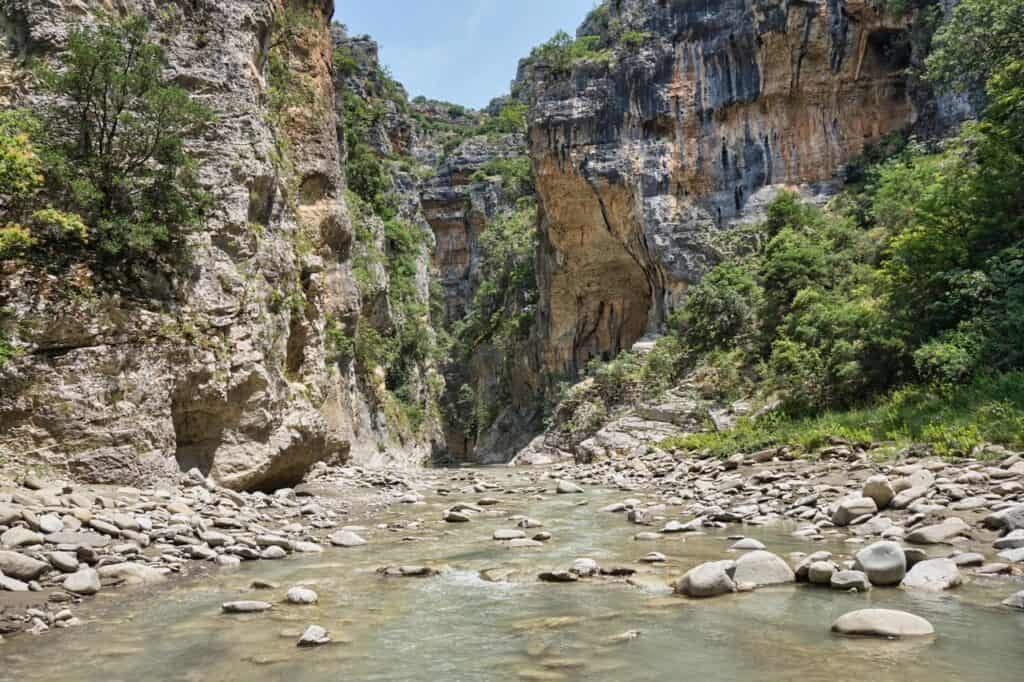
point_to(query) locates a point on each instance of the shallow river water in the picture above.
(458, 626)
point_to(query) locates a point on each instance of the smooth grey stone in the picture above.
(850, 580)
(63, 561)
(21, 567)
(884, 563)
(708, 580)
(760, 568)
(245, 607)
(302, 595)
(884, 623)
(84, 581)
(933, 575)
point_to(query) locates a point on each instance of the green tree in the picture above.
(118, 130)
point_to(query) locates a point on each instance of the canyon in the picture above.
(642, 163)
(421, 391)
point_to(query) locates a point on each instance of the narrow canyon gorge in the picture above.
(739, 274)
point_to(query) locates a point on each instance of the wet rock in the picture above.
(747, 544)
(933, 575)
(880, 490)
(84, 581)
(314, 635)
(883, 623)
(884, 563)
(409, 571)
(21, 567)
(245, 607)
(850, 580)
(558, 577)
(802, 569)
(301, 595)
(853, 508)
(456, 517)
(273, 552)
(821, 572)
(760, 568)
(346, 538)
(708, 580)
(938, 533)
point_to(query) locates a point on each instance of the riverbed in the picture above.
(461, 625)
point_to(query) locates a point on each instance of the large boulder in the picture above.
(708, 580)
(884, 563)
(852, 508)
(760, 568)
(22, 567)
(933, 575)
(938, 533)
(882, 623)
(880, 490)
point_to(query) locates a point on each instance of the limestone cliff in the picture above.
(647, 147)
(223, 368)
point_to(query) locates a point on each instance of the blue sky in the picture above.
(462, 51)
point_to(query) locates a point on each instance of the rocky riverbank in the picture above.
(917, 523)
(61, 543)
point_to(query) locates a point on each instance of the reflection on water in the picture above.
(460, 626)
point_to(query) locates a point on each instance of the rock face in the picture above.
(211, 370)
(643, 161)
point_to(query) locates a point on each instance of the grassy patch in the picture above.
(950, 419)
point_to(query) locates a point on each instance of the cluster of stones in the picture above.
(915, 525)
(64, 543)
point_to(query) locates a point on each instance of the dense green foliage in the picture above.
(897, 312)
(116, 137)
(501, 314)
(110, 180)
(562, 52)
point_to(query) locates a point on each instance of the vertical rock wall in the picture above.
(642, 161)
(222, 368)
